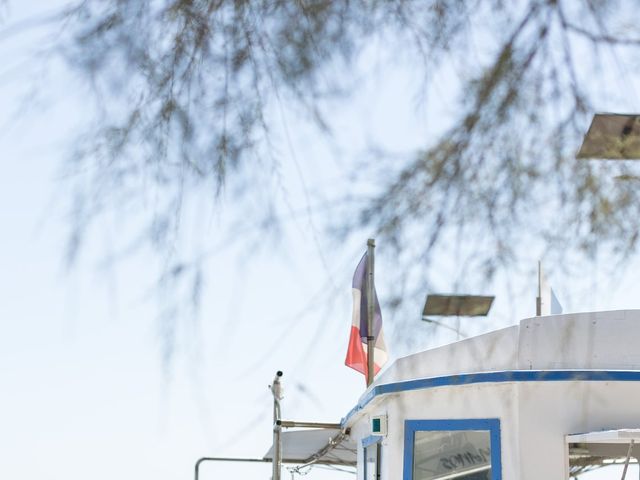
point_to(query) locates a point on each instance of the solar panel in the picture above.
(612, 136)
(458, 305)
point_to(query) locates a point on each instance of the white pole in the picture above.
(276, 390)
(371, 308)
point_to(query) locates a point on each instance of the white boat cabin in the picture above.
(549, 398)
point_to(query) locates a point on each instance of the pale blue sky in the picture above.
(83, 391)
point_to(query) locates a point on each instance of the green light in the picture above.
(375, 425)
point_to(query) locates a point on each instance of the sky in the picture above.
(84, 389)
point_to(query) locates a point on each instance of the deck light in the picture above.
(612, 136)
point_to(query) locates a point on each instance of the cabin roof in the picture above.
(592, 340)
(577, 341)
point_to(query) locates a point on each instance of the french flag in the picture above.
(357, 351)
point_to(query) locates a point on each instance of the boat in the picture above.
(552, 397)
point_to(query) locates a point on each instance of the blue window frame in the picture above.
(490, 425)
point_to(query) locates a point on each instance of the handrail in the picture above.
(227, 459)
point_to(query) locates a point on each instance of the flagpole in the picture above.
(371, 245)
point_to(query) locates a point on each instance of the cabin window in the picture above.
(604, 449)
(452, 449)
(372, 448)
